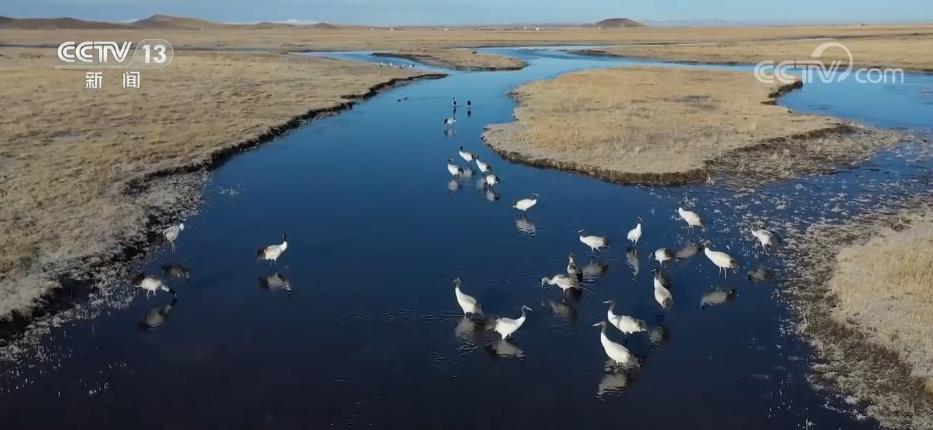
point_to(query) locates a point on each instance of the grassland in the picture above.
(885, 286)
(863, 296)
(910, 52)
(72, 159)
(67, 154)
(652, 125)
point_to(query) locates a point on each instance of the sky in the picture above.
(456, 12)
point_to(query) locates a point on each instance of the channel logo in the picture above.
(108, 54)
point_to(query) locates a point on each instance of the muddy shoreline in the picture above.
(90, 276)
(848, 363)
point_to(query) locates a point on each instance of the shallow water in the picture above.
(369, 336)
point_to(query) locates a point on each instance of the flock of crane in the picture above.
(568, 282)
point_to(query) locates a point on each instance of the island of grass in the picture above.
(457, 59)
(673, 126)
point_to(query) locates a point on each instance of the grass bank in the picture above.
(862, 293)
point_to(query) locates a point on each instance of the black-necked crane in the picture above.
(453, 169)
(624, 323)
(690, 217)
(595, 243)
(172, 232)
(506, 326)
(619, 354)
(483, 167)
(765, 237)
(491, 180)
(661, 278)
(662, 255)
(562, 281)
(272, 253)
(467, 303)
(526, 203)
(662, 295)
(635, 233)
(466, 156)
(151, 284)
(449, 121)
(722, 260)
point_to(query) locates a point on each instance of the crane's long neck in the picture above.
(284, 245)
(612, 306)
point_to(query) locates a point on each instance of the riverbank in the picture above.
(673, 126)
(908, 52)
(457, 59)
(862, 294)
(81, 169)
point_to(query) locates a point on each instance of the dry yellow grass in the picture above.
(460, 59)
(645, 124)
(885, 286)
(362, 38)
(67, 153)
(914, 52)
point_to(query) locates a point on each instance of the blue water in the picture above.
(370, 334)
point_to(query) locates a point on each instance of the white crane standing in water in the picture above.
(619, 354)
(506, 326)
(594, 242)
(466, 156)
(662, 255)
(453, 169)
(172, 233)
(562, 281)
(765, 237)
(150, 284)
(490, 180)
(722, 260)
(467, 303)
(661, 294)
(449, 121)
(272, 253)
(526, 203)
(690, 217)
(635, 233)
(624, 323)
(483, 167)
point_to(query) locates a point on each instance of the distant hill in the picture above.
(176, 22)
(161, 22)
(618, 23)
(57, 24)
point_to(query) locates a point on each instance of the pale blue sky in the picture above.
(398, 12)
